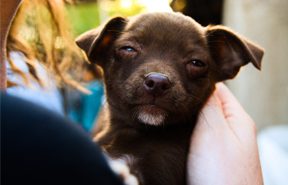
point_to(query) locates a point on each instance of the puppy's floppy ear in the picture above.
(96, 42)
(231, 51)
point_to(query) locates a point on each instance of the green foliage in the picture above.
(116, 8)
(83, 17)
(86, 16)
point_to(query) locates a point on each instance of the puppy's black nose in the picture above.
(156, 83)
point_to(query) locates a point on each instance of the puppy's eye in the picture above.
(197, 63)
(127, 49)
(126, 52)
(196, 68)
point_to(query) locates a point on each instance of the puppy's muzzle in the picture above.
(156, 84)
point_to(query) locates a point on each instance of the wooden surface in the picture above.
(263, 94)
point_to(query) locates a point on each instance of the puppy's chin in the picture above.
(151, 115)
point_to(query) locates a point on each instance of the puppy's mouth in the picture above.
(151, 114)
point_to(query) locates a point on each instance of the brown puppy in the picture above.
(159, 70)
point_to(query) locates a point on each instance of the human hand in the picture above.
(223, 147)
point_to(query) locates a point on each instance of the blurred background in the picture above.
(263, 94)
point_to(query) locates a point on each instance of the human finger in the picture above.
(211, 114)
(229, 104)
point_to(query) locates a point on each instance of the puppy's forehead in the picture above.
(164, 27)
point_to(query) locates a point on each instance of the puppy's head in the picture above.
(160, 68)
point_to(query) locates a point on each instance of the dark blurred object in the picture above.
(41, 147)
(203, 11)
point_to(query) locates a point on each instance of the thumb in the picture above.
(211, 114)
(231, 108)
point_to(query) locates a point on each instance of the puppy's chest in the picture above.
(152, 158)
(156, 166)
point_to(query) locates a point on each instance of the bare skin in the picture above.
(223, 146)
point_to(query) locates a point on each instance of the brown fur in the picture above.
(165, 43)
